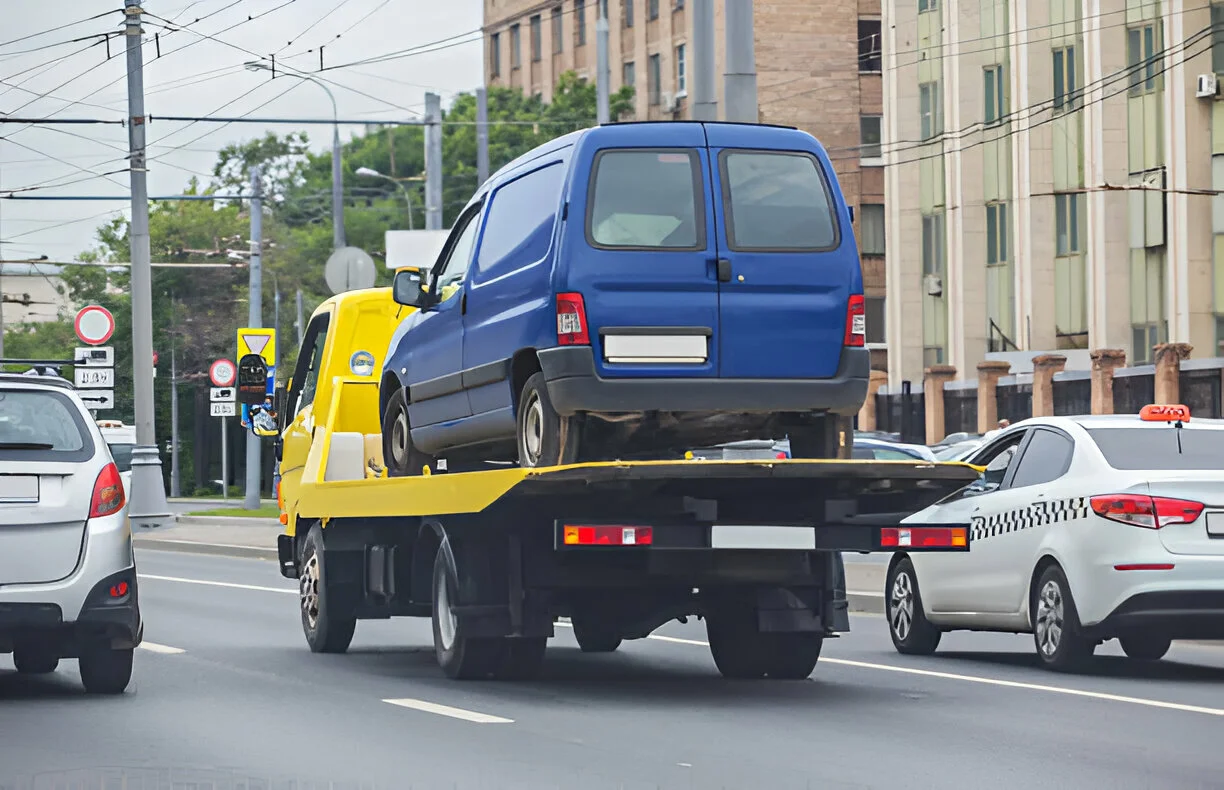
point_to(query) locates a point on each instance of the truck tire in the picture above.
(792, 655)
(543, 437)
(400, 455)
(105, 670)
(594, 636)
(735, 643)
(327, 630)
(460, 657)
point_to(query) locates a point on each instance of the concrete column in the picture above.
(867, 414)
(934, 379)
(1168, 370)
(989, 373)
(1104, 362)
(1044, 368)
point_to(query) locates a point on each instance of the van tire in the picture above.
(543, 437)
(400, 455)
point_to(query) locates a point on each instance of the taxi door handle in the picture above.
(724, 270)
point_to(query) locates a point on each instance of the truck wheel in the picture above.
(521, 657)
(736, 644)
(912, 634)
(1141, 647)
(105, 670)
(461, 658)
(791, 656)
(35, 659)
(822, 438)
(593, 636)
(400, 455)
(1060, 642)
(544, 438)
(327, 631)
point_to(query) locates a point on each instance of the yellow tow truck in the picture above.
(497, 557)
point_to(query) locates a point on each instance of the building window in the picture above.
(495, 54)
(537, 36)
(681, 72)
(556, 31)
(871, 229)
(927, 5)
(1217, 38)
(628, 74)
(654, 76)
(579, 23)
(996, 233)
(993, 94)
(652, 9)
(1064, 79)
(679, 4)
(1143, 56)
(869, 137)
(629, 13)
(932, 244)
(1067, 224)
(875, 313)
(516, 51)
(930, 110)
(870, 56)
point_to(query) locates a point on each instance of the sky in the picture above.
(53, 63)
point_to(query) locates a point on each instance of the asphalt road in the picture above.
(227, 693)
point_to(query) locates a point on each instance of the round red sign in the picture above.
(222, 373)
(94, 325)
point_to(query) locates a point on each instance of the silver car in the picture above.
(67, 570)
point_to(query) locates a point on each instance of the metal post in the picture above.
(337, 191)
(739, 77)
(148, 505)
(224, 459)
(482, 136)
(276, 316)
(175, 484)
(299, 323)
(705, 99)
(603, 72)
(433, 161)
(254, 454)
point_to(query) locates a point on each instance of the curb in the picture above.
(236, 521)
(211, 549)
(865, 602)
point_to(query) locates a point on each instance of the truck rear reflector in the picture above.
(606, 535)
(924, 538)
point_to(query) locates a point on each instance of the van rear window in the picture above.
(777, 201)
(646, 200)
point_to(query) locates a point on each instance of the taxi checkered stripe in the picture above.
(1037, 514)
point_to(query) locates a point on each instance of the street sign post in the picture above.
(98, 400)
(94, 378)
(229, 409)
(94, 325)
(260, 342)
(95, 356)
(221, 394)
(222, 373)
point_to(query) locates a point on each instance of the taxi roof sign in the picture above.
(1155, 412)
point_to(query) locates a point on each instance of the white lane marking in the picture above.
(207, 583)
(446, 710)
(153, 647)
(1101, 695)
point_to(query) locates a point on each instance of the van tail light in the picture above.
(1149, 512)
(856, 321)
(572, 327)
(107, 493)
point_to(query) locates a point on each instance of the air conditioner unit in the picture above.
(669, 102)
(1207, 86)
(934, 285)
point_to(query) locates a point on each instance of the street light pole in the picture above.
(370, 172)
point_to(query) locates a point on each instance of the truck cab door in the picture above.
(299, 405)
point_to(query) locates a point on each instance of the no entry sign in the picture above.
(94, 325)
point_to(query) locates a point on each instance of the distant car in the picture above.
(120, 439)
(67, 569)
(958, 451)
(1084, 529)
(875, 449)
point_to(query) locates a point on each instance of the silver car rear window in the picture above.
(1163, 448)
(42, 425)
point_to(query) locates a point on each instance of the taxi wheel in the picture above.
(1061, 644)
(912, 634)
(461, 657)
(1145, 647)
(35, 660)
(544, 438)
(400, 455)
(326, 630)
(105, 670)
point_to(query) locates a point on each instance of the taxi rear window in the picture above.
(1161, 448)
(646, 200)
(42, 425)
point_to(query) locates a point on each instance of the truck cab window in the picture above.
(310, 359)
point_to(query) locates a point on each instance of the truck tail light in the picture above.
(572, 321)
(107, 493)
(924, 538)
(856, 321)
(606, 535)
(1149, 512)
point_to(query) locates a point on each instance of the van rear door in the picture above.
(787, 254)
(646, 271)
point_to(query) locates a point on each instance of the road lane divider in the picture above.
(166, 650)
(447, 710)
(209, 583)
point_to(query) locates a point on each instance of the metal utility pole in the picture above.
(482, 136)
(705, 99)
(337, 187)
(739, 77)
(603, 72)
(224, 459)
(300, 323)
(148, 504)
(254, 454)
(175, 484)
(433, 161)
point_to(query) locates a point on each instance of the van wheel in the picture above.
(327, 629)
(544, 438)
(400, 455)
(827, 436)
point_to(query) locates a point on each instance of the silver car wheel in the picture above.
(1049, 626)
(901, 605)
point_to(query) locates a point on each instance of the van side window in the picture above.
(449, 277)
(646, 200)
(777, 201)
(519, 224)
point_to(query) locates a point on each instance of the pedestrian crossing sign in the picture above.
(258, 341)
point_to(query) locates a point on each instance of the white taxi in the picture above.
(1084, 529)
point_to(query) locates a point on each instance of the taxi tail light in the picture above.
(119, 590)
(1149, 512)
(607, 535)
(107, 493)
(856, 321)
(572, 321)
(924, 537)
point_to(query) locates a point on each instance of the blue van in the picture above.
(633, 290)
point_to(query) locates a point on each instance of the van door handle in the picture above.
(724, 270)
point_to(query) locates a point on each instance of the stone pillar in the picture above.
(1044, 368)
(867, 414)
(1168, 370)
(1104, 362)
(934, 379)
(989, 373)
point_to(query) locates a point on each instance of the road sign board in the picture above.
(94, 325)
(258, 341)
(95, 356)
(223, 409)
(349, 268)
(222, 373)
(98, 399)
(94, 378)
(221, 394)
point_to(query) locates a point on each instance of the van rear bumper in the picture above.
(575, 386)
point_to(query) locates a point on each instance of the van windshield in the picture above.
(777, 201)
(646, 199)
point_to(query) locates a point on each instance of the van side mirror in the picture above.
(409, 289)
